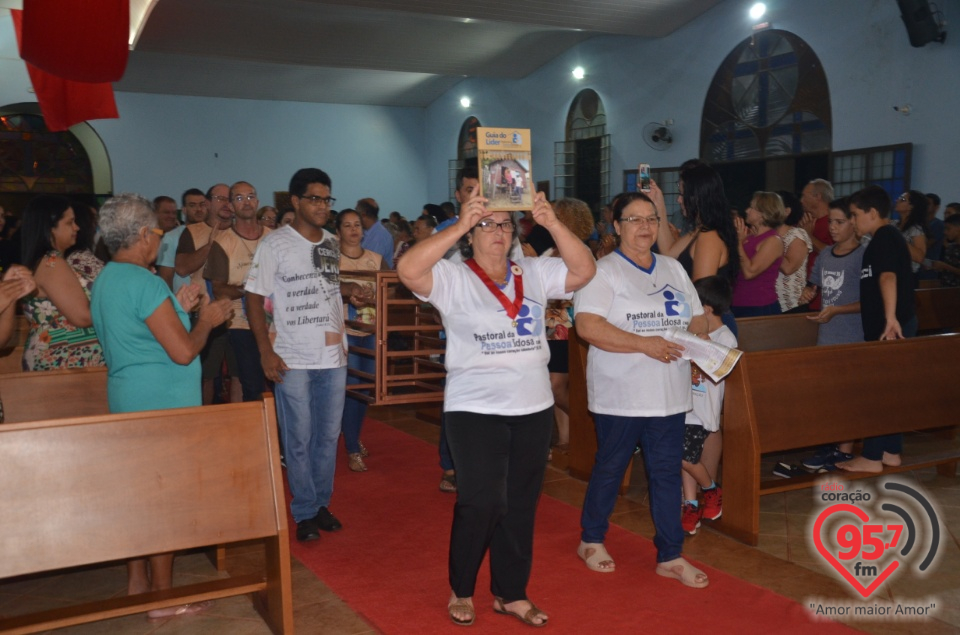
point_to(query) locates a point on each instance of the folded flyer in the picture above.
(716, 360)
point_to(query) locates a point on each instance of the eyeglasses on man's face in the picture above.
(240, 198)
(320, 200)
(489, 225)
(641, 221)
(220, 199)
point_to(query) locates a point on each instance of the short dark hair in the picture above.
(952, 220)
(842, 204)
(468, 171)
(715, 292)
(193, 191)
(436, 212)
(796, 209)
(305, 177)
(368, 207)
(872, 197)
(430, 221)
(39, 218)
(449, 209)
(162, 199)
(620, 201)
(933, 197)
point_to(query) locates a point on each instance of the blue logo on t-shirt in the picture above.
(675, 303)
(530, 320)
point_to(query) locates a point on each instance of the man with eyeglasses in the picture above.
(194, 207)
(229, 260)
(297, 268)
(192, 252)
(376, 238)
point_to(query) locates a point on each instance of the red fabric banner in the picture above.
(78, 40)
(64, 102)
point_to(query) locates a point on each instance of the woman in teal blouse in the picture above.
(150, 349)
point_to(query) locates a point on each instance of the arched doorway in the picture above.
(34, 160)
(582, 160)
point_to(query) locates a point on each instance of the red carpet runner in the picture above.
(389, 563)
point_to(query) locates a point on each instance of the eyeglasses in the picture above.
(221, 199)
(903, 197)
(320, 200)
(157, 231)
(642, 221)
(488, 226)
(239, 198)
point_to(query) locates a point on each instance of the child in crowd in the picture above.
(836, 273)
(887, 305)
(949, 267)
(704, 419)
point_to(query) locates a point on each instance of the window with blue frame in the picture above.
(886, 166)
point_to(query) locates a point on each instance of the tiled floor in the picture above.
(783, 562)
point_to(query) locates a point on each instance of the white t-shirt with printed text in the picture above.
(496, 365)
(304, 280)
(647, 303)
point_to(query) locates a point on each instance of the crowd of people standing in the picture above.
(271, 298)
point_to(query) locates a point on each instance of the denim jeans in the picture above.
(662, 441)
(355, 410)
(249, 369)
(309, 408)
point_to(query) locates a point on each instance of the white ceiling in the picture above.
(378, 52)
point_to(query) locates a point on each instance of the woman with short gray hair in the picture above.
(147, 342)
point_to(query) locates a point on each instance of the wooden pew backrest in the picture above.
(53, 394)
(94, 489)
(792, 330)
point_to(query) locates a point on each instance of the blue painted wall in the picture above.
(862, 45)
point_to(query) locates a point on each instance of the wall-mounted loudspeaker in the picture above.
(922, 24)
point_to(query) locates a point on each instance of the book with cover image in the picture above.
(504, 159)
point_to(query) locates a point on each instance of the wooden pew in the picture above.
(938, 310)
(11, 359)
(78, 491)
(834, 393)
(54, 394)
(792, 330)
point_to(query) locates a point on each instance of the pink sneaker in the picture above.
(690, 520)
(713, 503)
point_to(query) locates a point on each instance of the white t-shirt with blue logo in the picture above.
(643, 302)
(495, 364)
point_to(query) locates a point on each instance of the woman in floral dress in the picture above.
(58, 313)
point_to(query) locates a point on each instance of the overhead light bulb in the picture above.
(757, 11)
(465, 102)
(579, 73)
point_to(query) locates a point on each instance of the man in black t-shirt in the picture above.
(886, 303)
(886, 280)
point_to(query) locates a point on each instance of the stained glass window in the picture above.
(768, 98)
(35, 160)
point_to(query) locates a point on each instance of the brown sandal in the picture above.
(527, 618)
(448, 483)
(461, 605)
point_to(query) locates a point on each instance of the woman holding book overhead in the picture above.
(638, 386)
(498, 406)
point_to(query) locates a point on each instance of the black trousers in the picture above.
(500, 461)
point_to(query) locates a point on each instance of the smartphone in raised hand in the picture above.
(643, 177)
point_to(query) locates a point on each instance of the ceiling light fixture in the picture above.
(757, 11)
(579, 73)
(465, 102)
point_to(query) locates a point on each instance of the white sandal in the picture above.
(598, 556)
